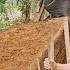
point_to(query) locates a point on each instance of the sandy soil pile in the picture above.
(21, 44)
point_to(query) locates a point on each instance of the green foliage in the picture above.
(3, 1)
(4, 24)
(2, 7)
(24, 6)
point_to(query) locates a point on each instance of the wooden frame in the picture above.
(64, 27)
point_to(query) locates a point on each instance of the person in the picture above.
(57, 8)
(55, 66)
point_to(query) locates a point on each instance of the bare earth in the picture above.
(21, 44)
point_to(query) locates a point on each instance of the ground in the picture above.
(22, 44)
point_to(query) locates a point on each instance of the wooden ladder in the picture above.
(64, 27)
(66, 36)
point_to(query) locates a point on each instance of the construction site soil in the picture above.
(22, 44)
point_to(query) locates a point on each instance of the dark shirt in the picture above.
(57, 8)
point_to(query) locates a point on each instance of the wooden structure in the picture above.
(64, 27)
(66, 36)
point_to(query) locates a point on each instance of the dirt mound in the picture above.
(21, 44)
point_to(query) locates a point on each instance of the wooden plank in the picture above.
(66, 34)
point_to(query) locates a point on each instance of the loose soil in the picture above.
(22, 44)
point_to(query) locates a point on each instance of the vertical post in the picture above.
(51, 52)
(66, 34)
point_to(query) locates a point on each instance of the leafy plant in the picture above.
(25, 8)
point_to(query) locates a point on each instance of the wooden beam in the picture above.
(66, 34)
(58, 33)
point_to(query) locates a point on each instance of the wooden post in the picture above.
(66, 34)
(51, 52)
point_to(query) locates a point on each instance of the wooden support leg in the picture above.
(51, 52)
(66, 34)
